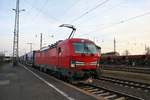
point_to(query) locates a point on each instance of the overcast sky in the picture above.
(126, 20)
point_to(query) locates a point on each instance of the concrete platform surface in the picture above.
(18, 83)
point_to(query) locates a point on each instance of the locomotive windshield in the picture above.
(84, 48)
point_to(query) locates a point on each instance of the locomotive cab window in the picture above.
(84, 48)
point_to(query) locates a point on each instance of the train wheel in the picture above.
(70, 80)
(45, 70)
(41, 69)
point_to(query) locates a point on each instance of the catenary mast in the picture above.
(16, 34)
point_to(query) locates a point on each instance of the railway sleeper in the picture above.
(110, 96)
(97, 92)
(104, 94)
(120, 98)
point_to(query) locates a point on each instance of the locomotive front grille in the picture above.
(84, 63)
(93, 63)
(78, 63)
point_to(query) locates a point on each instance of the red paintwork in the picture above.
(62, 60)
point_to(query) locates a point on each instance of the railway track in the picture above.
(144, 70)
(105, 93)
(126, 83)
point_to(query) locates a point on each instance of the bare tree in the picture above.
(2, 55)
(126, 52)
(147, 49)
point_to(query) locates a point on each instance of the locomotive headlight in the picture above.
(72, 64)
(98, 64)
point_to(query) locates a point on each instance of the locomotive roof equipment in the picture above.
(69, 26)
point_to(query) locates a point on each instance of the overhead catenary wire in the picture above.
(135, 17)
(87, 12)
(120, 22)
(124, 21)
(104, 11)
(40, 10)
(71, 7)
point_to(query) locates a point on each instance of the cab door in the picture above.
(59, 50)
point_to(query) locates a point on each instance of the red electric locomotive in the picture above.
(72, 58)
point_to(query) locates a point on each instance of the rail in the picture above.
(106, 93)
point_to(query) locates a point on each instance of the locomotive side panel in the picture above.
(37, 60)
(64, 55)
(52, 57)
